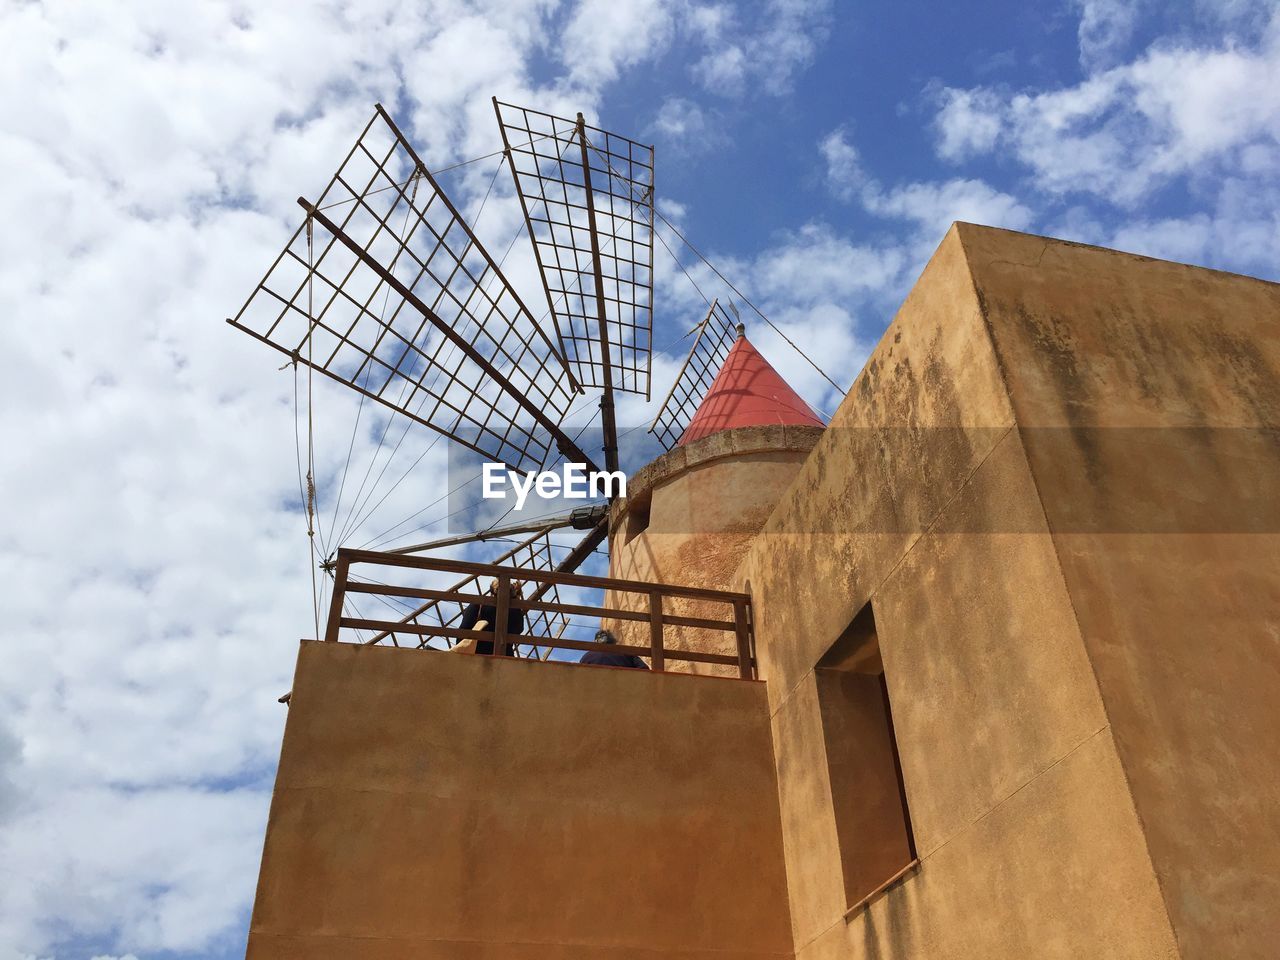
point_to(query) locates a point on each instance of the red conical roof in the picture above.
(747, 392)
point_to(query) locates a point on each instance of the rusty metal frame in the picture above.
(588, 202)
(402, 303)
(715, 338)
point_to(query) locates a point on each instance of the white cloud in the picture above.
(1106, 26)
(968, 122)
(603, 37)
(1174, 112)
(156, 568)
(932, 205)
(935, 205)
(765, 46)
(845, 176)
(682, 124)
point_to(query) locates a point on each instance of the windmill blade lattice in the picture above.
(386, 289)
(710, 349)
(587, 196)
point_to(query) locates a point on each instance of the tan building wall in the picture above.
(1165, 510)
(690, 516)
(1051, 492)
(429, 805)
(1090, 766)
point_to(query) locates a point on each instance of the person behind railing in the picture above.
(611, 658)
(482, 616)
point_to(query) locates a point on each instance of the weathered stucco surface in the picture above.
(1055, 483)
(430, 805)
(1163, 496)
(704, 504)
(922, 499)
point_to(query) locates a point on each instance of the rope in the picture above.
(648, 197)
(744, 298)
(311, 436)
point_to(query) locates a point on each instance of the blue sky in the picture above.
(156, 564)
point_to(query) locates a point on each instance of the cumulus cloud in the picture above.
(968, 122)
(685, 126)
(156, 567)
(1106, 26)
(1201, 118)
(1174, 112)
(764, 45)
(603, 37)
(932, 205)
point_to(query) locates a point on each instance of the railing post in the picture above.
(655, 631)
(500, 615)
(335, 601)
(742, 632)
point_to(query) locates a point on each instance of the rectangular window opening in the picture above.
(873, 824)
(637, 517)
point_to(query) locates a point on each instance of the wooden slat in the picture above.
(539, 576)
(335, 601)
(500, 613)
(547, 605)
(557, 642)
(655, 630)
(743, 637)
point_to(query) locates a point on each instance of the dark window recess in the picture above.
(873, 826)
(637, 517)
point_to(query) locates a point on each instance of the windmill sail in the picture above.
(587, 196)
(386, 289)
(710, 349)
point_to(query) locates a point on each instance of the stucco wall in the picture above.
(429, 805)
(704, 503)
(1148, 397)
(920, 499)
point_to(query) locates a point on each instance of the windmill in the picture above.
(385, 289)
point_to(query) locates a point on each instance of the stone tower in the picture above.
(690, 515)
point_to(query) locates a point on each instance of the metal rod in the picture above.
(610, 427)
(565, 444)
(544, 526)
(413, 155)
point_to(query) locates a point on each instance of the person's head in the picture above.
(605, 636)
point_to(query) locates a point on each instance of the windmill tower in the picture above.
(736, 435)
(386, 289)
(1002, 655)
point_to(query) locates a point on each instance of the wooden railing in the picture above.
(652, 607)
